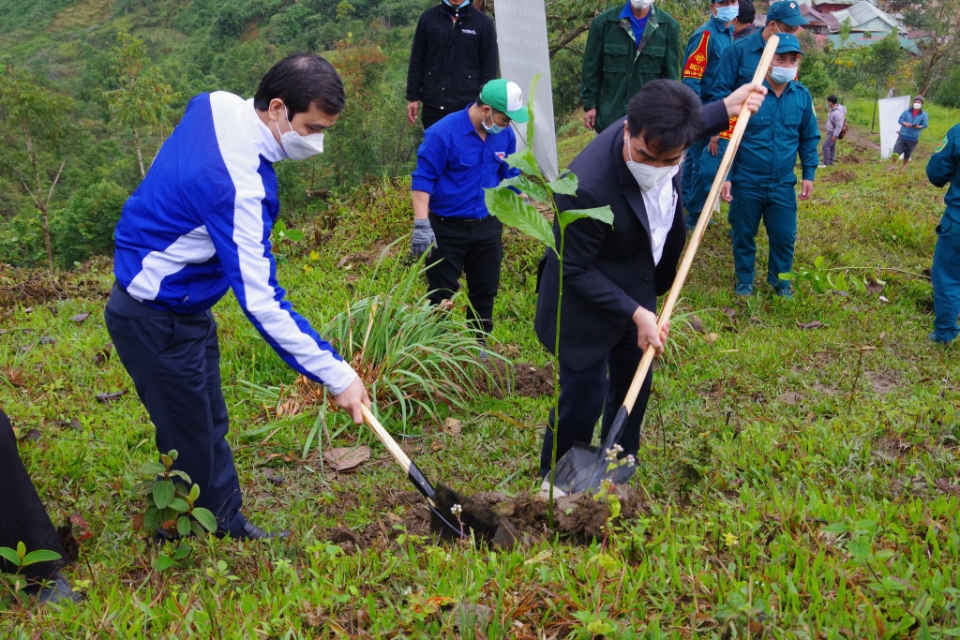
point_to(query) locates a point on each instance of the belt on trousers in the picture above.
(462, 222)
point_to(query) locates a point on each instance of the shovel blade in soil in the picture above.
(584, 467)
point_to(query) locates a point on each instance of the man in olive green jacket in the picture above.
(627, 46)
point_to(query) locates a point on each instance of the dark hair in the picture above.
(302, 79)
(667, 114)
(748, 12)
(832, 99)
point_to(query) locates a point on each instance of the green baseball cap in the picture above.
(506, 97)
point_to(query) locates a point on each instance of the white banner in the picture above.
(890, 110)
(524, 52)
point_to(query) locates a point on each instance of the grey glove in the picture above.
(422, 238)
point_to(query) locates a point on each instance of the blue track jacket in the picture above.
(200, 224)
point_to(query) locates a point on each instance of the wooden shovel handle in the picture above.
(402, 458)
(697, 235)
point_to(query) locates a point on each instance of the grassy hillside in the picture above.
(798, 471)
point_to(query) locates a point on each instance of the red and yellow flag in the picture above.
(729, 132)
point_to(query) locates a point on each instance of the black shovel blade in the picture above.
(584, 468)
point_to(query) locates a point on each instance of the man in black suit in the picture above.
(613, 274)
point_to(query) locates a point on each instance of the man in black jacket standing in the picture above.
(613, 274)
(454, 54)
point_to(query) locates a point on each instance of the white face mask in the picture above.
(917, 106)
(296, 146)
(647, 177)
(640, 5)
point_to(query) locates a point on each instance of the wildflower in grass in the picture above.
(456, 510)
(730, 540)
(631, 461)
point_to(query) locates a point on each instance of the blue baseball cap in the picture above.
(787, 12)
(788, 44)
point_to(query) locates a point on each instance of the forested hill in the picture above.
(115, 75)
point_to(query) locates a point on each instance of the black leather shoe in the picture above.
(253, 532)
(55, 590)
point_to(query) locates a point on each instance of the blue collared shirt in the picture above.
(454, 165)
(638, 25)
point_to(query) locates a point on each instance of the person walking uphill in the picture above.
(943, 168)
(613, 274)
(912, 122)
(460, 156)
(701, 59)
(762, 180)
(835, 121)
(627, 47)
(198, 225)
(454, 54)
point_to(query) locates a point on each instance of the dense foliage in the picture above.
(90, 88)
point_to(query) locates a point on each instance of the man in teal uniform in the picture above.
(700, 62)
(740, 60)
(628, 46)
(762, 179)
(944, 167)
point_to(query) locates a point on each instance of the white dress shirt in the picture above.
(661, 203)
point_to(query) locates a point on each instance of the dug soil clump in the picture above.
(524, 379)
(579, 518)
(840, 177)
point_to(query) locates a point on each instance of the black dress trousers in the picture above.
(22, 516)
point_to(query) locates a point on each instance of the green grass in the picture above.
(798, 483)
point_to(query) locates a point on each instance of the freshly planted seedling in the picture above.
(19, 558)
(170, 508)
(505, 203)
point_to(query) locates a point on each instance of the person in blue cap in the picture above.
(762, 179)
(700, 61)
(943, 168)
(740, 60)
(463, 154)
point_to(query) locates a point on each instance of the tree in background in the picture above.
(939, 53)
(142, 100)
(35, 124)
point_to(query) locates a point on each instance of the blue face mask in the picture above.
(782, 75)
(457, 8)
(492, 128)
(726, 14)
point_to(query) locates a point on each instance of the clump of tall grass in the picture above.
(413, 357)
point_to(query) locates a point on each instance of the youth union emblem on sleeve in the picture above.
(943, 144)
(501, 155)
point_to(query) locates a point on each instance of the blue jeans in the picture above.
(946, 281)
(776, 206)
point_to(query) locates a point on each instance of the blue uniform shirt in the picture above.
(454, 165)
(737, 65)
(637, 25)
(199, 224)
(702, 56)
(782, 128)
(922, 119)
(944, 167)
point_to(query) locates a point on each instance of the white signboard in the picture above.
(522, 38)
(890, 110)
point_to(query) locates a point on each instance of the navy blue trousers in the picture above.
(776, 206)
(703, 181)
(174, 361)
(946, 281)
(600, 387)
(691, 166)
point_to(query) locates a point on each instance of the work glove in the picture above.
(422, 238)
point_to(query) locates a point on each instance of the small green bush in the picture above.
(85, 227)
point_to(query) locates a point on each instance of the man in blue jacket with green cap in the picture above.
(762, 180)
(943, 168)
(700, 62)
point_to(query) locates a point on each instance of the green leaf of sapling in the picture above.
(566, 184)
(183, 525)
(205, 518)
(10, 556)
(152, 468)
(40, 555)
(163, 493)
(602, 214)
(514, 212)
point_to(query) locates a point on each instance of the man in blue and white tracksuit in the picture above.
(198, 225)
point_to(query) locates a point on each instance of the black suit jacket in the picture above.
(608, 271)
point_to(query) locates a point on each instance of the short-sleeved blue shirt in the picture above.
(454, 165)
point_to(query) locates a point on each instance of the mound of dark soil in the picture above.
(524, 379)
(579, 518)
(840, 177)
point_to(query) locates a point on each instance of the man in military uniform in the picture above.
(943, 168)
(628, 46)
(701, 58)
(762, 180)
